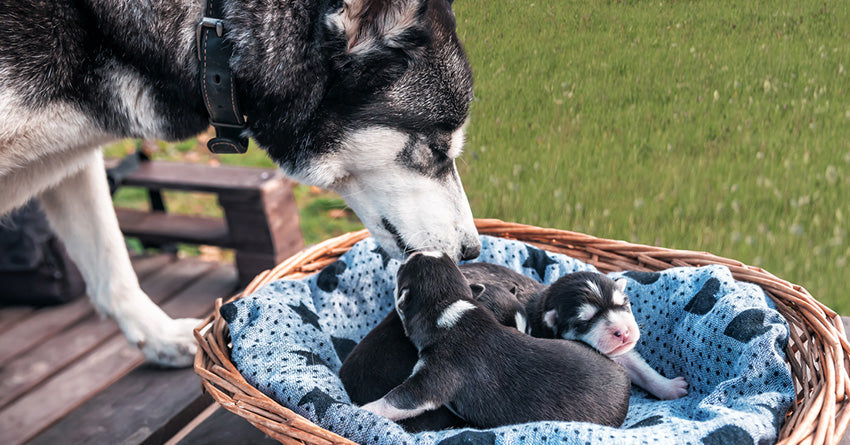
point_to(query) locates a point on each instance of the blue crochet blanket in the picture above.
(724, 336)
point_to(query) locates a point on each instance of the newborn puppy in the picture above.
(489, 275)
(593, 308)
(385, 357)
(597, 313)
(487, 373)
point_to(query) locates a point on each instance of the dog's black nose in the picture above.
(468, 252)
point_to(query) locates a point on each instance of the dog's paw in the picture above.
(172, 344)
(672, 389)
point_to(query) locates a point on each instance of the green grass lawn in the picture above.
(692, 125)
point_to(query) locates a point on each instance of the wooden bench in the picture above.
(260, 216)
(69, 376)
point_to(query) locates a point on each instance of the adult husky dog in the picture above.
(364, 97)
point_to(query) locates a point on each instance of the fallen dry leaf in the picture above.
(337, 213)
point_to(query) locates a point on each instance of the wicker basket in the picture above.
(817, 351)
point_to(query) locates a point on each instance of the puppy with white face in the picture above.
(588, 307)
(489, 374)
(593, 308)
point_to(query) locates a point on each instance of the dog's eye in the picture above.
(447, 127)
(439, 147)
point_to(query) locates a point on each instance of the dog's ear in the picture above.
(375, 26)
(550, 319)
(621, 284)
(477, 290)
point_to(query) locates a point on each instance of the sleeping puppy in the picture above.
(489, 275)
(385, 357)
(584, 306)
(593, 308)
(487, 373)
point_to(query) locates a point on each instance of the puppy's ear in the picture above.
(621, 284)
(550, 318)
(400, 296)
(477, 290)
(514, 290)
(371, 26)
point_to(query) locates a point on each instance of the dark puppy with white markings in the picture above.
(489, 275)
(593, 308)
(584, 306)
(489, 374)
(386, 357)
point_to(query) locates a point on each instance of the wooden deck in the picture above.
(68, 376)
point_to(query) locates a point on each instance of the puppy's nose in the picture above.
(470, 251)
(622, 334)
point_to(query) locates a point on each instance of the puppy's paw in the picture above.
(672, 389)
(383, 407)
(379, 407)
(172, 344)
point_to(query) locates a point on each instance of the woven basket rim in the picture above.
(818, 352)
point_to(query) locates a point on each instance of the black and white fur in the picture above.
(595, 309)
(489, 374)
(386, 357)
(584, 306)
(367, 98)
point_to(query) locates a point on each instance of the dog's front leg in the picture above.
(80, 210)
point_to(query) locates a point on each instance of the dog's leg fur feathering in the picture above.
(80, 211)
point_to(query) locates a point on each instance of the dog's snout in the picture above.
(470, 251)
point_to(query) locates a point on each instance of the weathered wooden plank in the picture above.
(37, 364)
(151, 403)
(12, 315)
(27, 371)
(260, 215)
(41, 325)
(224, 427)
(143, 419)
(30, 414)
(275, 215)
(144, 265)
(171, 228)
(48, 322)
(198, 177)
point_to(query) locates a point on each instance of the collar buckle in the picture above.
(207, 22)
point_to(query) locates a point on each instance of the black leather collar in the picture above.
(218, 87)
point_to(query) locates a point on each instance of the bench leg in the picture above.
(264, 227)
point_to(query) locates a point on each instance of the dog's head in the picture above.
(391, 123)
